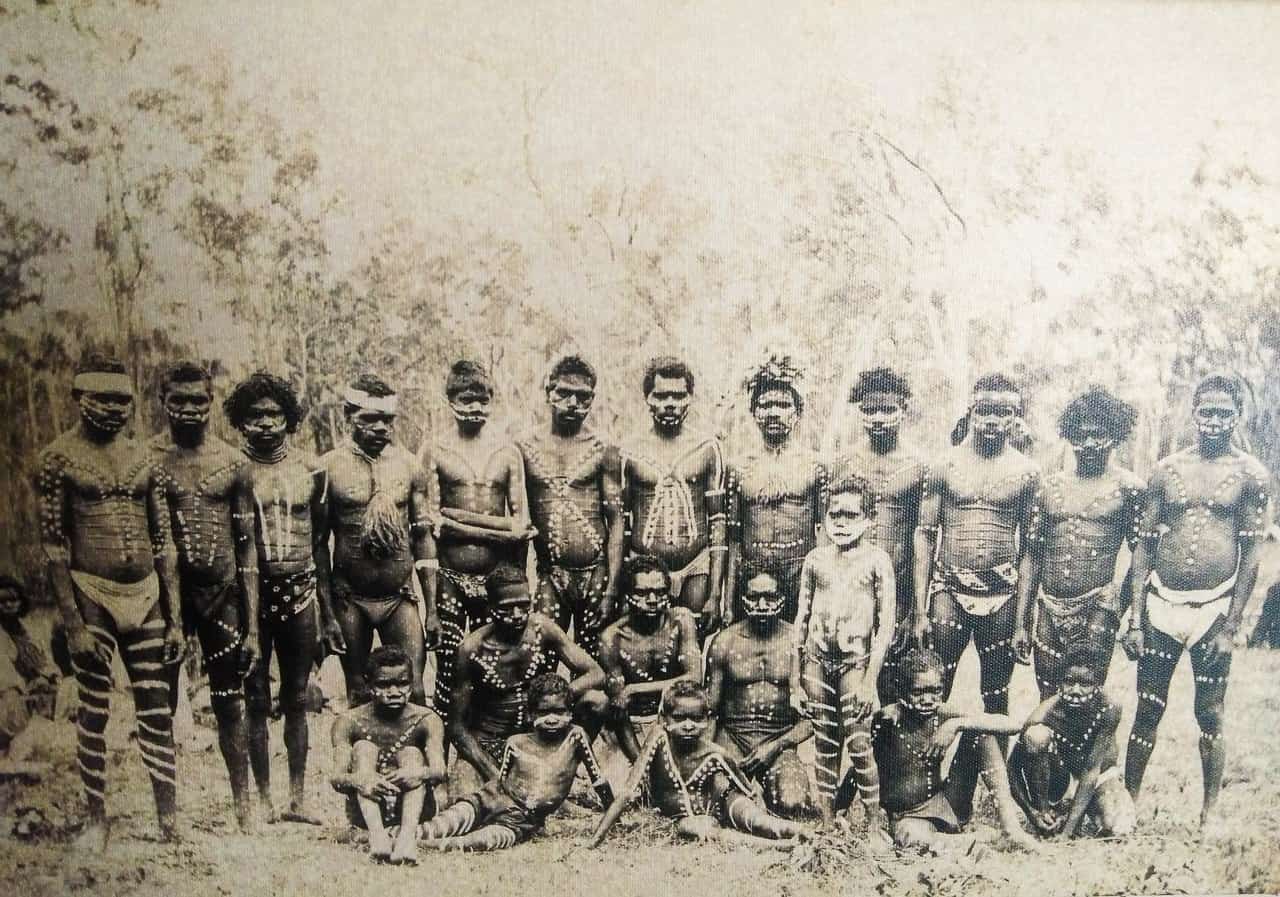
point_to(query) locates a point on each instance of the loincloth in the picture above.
(282, 598)
(835, 660)
(493, 805)
(936, 810)
(1186, 615)
(377, 610)
(747, 738)
(572, 585)
(127, 603)
(473, 586)
(979, 593)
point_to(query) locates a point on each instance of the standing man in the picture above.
(776, 491)
(673, 492)
(1080, 518)
(290, 492)
(102, 525)
(210, 506)
(1195, 566)
(475, 482)
(896, 475)
(378, 513)
(980, 498)
(575, 499)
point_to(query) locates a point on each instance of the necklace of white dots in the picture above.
(930, 765)
(664, 662)
(1086, 737)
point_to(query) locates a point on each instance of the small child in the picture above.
(1071, 737)
(386, 755)
(693, 782)
(845, 624)
(534, 777)
(911, 736)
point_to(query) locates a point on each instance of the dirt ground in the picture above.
(1167, 855)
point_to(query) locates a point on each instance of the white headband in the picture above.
(361, 399)
(103, 381)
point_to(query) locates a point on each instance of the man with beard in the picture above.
(673, 492)
(980, 497)
(754, 688)
(575, 500)
(776, 491)
(210, 505)
(1080, 518)
(379, 517)
(651, 646)
(103, 526)
(477, 501)
(896, 474)
(498, 662)
(1196, 563)
(289, 491)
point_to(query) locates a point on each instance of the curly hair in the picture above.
(854, 484)
(186, 371)
(666, 366)
(98, 363)
(1220, 383)
(644, 563)
(1086, 657)
(879, 380)
(915, 662)
(685, 688)
(262, 385)
(19, 590)
(504, 573)
(467, 376)
(1098, 404)
(571, 366)
(386, 656)
(548, 685)
(776, 373)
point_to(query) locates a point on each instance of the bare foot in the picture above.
(405, 851)
(1021, 840)
(94, 837)
(298, 814)
(379, 846)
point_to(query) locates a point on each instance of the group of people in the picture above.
(712, 614)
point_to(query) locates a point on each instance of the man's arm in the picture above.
(688, 661)
(717, 533)
(1251, 528)
(924, 543)
(165, 558)
(1103, 755)
(243, 529)
(804, 605)
(954, 722)
(586, 672)
(459, 733)
(733, 537)
(1030, 569)
(635, 778)
(611, 500)
(433, 738)
(55, 511)
(587, 757)
(422, 543)
(886, 586)
(1140, 565)
(331, 633)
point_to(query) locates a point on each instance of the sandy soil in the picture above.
(1167, 855)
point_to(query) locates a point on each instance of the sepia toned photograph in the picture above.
(638, 449)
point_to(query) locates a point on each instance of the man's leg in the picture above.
(786, 787)
(951, 632)
(855, 734)
(358, 635)
(220, 641)
(258, 704)
(746, 817)
(552, 600)
(458, 819)
(981, 755)
(296, 645)
(993, 637)
(587, 594)
(364, 760)
(1049, 655)
(94, 684)
(1036, 776)
(1211, 694)
(824, 706)
(404, 629)
(1159, 659)
(143, 653)
(453, 628)
(693, 592)
(489, 837)
(411, 805)
(1102, 627)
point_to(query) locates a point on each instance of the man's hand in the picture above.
(867, 700)
(1022, 645)
(1221, 645)
(431, 630)
(373, 786)
(709, 620)
(174, 644)
(250, 654)
(331, 635)
(759, 759)
(1133, 642)
(921, 631)
(942, 739)
(81, 643)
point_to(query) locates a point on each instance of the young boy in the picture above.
(387, 755)
(693, 782)
(534, 778)
(1071, 737)
(909, 738)
(846, 621)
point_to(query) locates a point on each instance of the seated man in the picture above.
(754, 689)
(693, 782)
(1071, 737)
(496, 665)
(387, 754)
(27, 678)
(652, 646)
(534, 778)
(909, 738)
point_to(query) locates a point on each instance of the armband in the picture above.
(245, 571)
(243, 515)
(927, 528)
(714, 492)
(420, 526)
(427, 564)
(719, 515)
(717, 548)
